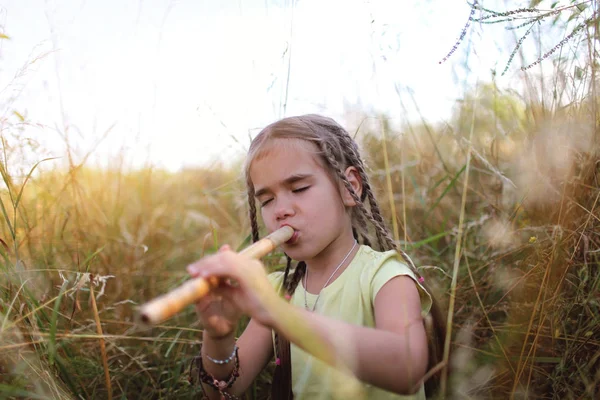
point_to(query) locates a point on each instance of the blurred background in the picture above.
(124, 125)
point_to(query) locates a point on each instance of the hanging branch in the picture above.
(531, 17)
(561, 43)
(462, 35)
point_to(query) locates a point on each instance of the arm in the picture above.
(255, 351)
(393, 356)
(220, 311)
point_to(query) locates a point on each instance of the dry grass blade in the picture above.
(457, 256)
(388, 180)
(101, 340)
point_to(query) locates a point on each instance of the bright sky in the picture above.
(186, 82)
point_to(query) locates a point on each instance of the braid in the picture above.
(252, 212)
(281, 388)
(338, 168)
(384, 236)
(351, 149)
(366, 240)
(386, 242)
(299, 272)
(384, 239)
(384, 233)
(286, 273)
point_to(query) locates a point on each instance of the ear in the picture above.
(354, 178)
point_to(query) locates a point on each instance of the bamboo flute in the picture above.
(169, 304)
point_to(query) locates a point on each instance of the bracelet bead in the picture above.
(225, 361)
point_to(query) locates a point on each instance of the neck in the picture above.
(322, 266)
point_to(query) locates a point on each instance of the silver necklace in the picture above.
(326, 282)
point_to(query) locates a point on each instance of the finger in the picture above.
(222, 265)
(195, 269)
(225, 247)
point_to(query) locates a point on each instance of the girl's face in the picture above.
(292, 188)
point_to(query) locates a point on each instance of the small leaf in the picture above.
(532, 239)
(589, 333)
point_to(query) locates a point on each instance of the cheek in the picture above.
(267, 218)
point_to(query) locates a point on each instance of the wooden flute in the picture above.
(169, 304)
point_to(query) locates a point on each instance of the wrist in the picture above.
(219, 337)
(221, 361)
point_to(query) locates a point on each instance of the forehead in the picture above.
(281, 158)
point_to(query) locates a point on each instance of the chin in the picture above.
(296, 252)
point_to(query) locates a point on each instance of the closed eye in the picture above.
(299, 190)
(264, 203)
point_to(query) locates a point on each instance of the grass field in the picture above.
(498, 208)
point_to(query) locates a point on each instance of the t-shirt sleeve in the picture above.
(392, 267)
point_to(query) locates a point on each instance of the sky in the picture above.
(185, 83)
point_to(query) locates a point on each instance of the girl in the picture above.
(354, 316)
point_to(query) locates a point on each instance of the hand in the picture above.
(218, 314)
(244, 289)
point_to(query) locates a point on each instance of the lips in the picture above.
(294, 237)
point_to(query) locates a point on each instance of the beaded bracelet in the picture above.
(219, 385)
(225, 361)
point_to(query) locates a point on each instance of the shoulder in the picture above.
(379, 262)
(381, 267)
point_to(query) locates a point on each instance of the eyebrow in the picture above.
(288, 181)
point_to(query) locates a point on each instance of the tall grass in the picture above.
(499, 209)
(87, 245)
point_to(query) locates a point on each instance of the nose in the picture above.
(285, 209)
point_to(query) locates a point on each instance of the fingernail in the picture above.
(421, 279)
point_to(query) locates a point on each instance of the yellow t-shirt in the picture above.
(350, 298)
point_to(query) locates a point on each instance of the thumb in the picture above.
(225, 247)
